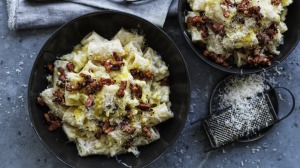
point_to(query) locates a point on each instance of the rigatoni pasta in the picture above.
(109, 95)
(244, 33)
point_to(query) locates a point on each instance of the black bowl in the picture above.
(291, 39)
(107, 23)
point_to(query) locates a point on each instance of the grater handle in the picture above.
(293, 105)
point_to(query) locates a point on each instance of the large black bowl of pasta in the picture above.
(75, 105)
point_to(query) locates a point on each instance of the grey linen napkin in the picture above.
(24, 14)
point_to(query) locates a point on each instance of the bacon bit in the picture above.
(98, 133)
(225, 64)
(259, 60)
(219, 60)
(197, 19)
(53, 121)
(127, 128)
(90, 101)
(70, 66)
(271, 32)
(106, 81)
(107, 127)
(164, 82)
(270, 56)
(260, 37)
(144, 106)
(204, 28)
(122, 87)
(190, 20)
(218, 28)
(242, 7)
(58, 97)
(112, 65)
(62, 77)
(50, 67)
(61, 70)
(85, 76)
(213, 55)
(117, 57)
(116, 65)
(106, 64)
(206, 53)
(147, 132)
(110, 129)
(48, 117)
(254, 10)
(256, 52)
(137, 74)
(194, 20)
(93, 87)
(249, 10)
(86, 80)
(275, 2)
(54, 125)
(106, 124)
(136, 90)
(40, 101)
(149, 75)
(263, 38)
(249, 60)
(201, 23)
(204, 34)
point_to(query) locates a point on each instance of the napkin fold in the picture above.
(25, 14)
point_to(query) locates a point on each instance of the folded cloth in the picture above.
(25, 14)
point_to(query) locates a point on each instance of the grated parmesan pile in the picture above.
(240, 94)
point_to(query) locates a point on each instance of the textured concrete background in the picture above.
(20, 146)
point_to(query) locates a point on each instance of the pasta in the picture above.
(109, 95)
(245, 33)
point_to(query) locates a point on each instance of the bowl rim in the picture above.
(112, 12)
(240, 71)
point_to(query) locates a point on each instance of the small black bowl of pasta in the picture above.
(82, 88)
(239, 36)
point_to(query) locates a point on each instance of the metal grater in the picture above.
(220, 132)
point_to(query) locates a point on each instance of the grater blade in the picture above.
(224, 127)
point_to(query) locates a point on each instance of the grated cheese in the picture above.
(240, 93)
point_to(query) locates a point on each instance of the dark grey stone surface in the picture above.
(20, 146)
